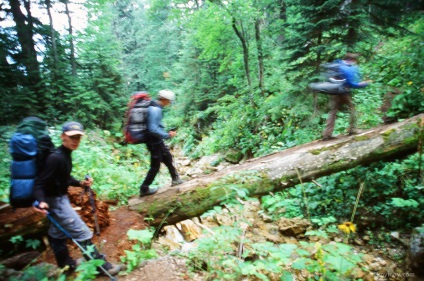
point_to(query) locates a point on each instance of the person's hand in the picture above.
(88, 181)
(42, 207)
(172, 134)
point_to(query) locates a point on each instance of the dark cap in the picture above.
(73, 128)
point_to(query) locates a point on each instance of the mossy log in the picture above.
(282, 170)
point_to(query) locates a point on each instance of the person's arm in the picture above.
(74, 182)
(154, 123)
(351, 74)
(81, 183)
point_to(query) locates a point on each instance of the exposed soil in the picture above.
(113, 241)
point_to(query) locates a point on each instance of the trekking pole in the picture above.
(84, 251)
(93, 206)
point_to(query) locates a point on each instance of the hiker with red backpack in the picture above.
(144, 125)
(50, 192)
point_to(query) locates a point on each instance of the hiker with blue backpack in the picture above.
(50, 192)
(346, 79)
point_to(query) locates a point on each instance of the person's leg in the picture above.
(155, 160)
(61, 252)
(168, 161)
(71, 226)
(331, 119)
(352, 110)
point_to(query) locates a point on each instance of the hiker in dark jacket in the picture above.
(350, 73)
(159, 152)
(50, 191)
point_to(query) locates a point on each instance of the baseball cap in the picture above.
(73, 128)
(167, 94)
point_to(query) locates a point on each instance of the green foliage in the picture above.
(41, 272)
(16, 239)
(404, 204)
(399, 69)
(32, 243)
(141, 250)
(88, 270)
(282, 204)
(392, 196)
(265, 260)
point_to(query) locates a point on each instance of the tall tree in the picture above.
(52, 32)
(71, 38)
(27, 56)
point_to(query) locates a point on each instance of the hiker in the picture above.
(159, 152)
(349, 71)
(50, 191)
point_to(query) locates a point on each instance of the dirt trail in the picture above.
(113, 241)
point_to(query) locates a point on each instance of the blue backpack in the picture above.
(29, 147)
(335, 81)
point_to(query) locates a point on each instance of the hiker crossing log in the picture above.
(282, 170)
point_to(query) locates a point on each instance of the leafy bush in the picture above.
(141, 250)
(392, 195)
(267, 261)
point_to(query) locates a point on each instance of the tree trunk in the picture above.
(24, 30)
(260, 56)
(53, 35)
(282, 170)
(245, 58)
(71, 39)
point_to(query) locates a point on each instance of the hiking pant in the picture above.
(337, 102)
(159, 153)
(61, 253)
(62, 212)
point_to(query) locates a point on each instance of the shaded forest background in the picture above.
(240, 68)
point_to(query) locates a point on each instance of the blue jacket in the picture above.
(350, 72)
(154, 124)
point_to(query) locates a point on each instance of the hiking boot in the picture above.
(353, 132)
(112, 269)
(150, 191)
(177, 181)
(70, 267)
(328, 138)
(79, 261)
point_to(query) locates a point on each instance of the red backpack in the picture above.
(135, 129)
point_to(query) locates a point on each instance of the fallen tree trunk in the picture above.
(282, 170)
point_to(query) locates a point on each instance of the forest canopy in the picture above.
(240, 68)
